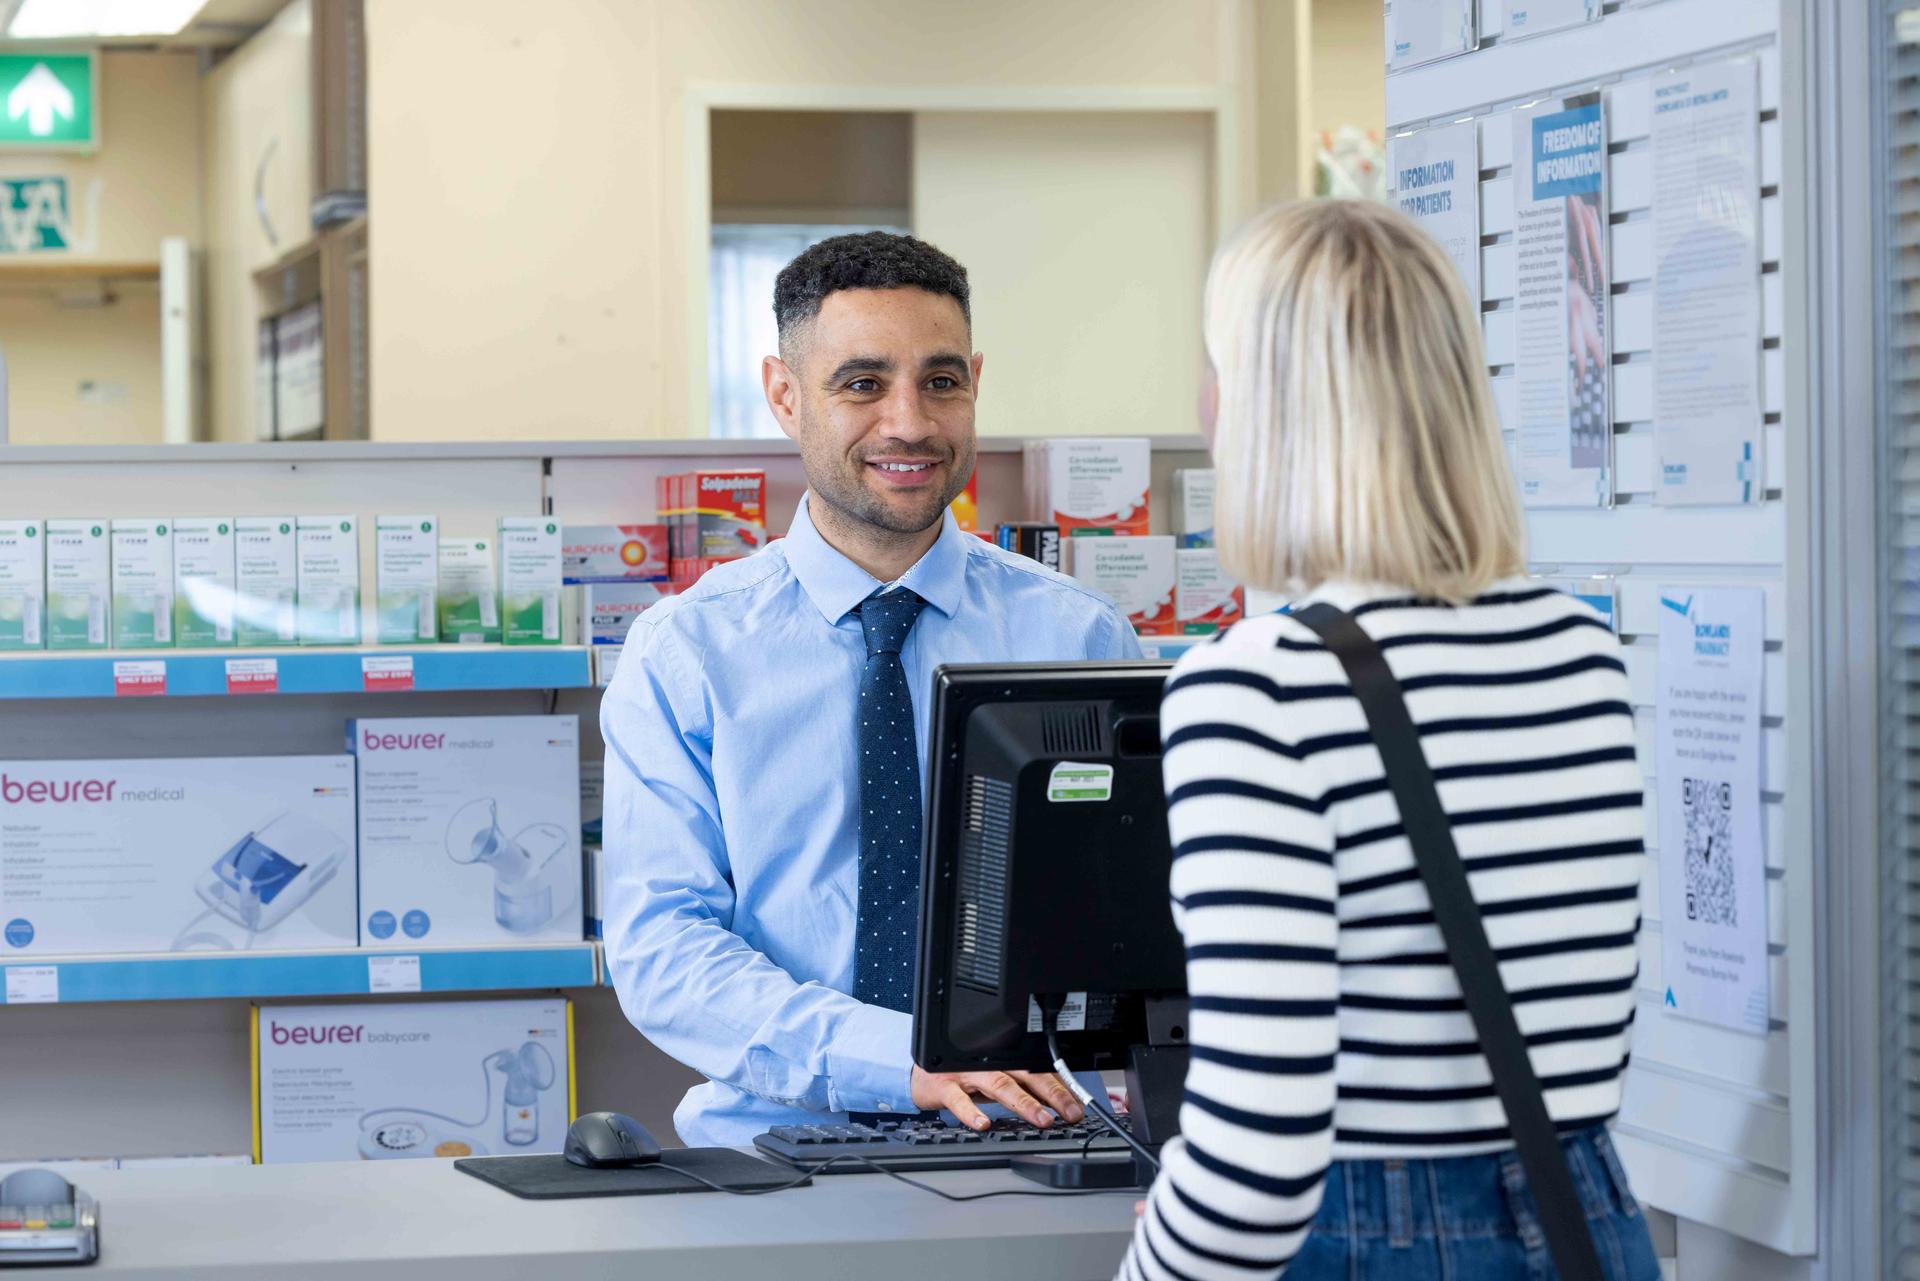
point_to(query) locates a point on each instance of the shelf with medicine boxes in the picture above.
(247, 672)
(346, 972)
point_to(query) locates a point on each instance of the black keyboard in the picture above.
(932, 1145)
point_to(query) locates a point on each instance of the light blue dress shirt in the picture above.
(731, 858)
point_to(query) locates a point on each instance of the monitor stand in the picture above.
(1156, 1081)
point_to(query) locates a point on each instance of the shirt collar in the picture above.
(835, 584)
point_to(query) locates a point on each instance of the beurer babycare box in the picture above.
(203, 585)
(406, 558)
(142, 584)
(23, 584)
(380, 1081)
(266, 581)
(79, 585)
(469, 829)
(327, 556)
(195, 854)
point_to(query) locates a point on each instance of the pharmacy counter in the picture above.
(428, 1222)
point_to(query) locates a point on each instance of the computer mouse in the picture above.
(600, 1140)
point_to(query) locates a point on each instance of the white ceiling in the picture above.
(220, 24)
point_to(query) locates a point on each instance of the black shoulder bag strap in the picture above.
(1563, 1219)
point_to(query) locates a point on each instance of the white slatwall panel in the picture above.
(1706, 1125)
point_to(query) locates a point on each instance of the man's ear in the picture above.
(783, 393)
(978, 360)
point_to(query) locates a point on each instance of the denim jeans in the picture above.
(1467, 1219)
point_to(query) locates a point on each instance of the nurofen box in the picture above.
(79, 584)
(23, 584)
(1090, 485)
(1193, 506)
(214, 854)
(1137, 574)
(266, 580)
(966, 508)
(406, 579)
(327, 564)
(203, 581)
(142, 584)
(1205, 597)
(469, 829)
(607, 610)
(379, 1081)
(529, 580)
(614, 554)
(469, 592)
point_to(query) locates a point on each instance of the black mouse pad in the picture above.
(552, 1177)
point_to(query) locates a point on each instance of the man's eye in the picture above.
(943, 382)
(864, 385)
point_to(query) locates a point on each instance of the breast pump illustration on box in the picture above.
(532, 869)
(513, 1082)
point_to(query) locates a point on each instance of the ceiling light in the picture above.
(77, 19)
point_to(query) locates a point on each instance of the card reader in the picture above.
(45, 1220)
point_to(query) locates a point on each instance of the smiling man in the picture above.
(766, 733)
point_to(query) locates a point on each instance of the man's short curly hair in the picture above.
(864, 260)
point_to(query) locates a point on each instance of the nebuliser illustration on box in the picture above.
(469, 828)
(514, 1080)
(263, 878)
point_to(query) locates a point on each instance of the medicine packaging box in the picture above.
(1090, 485)
(592, 806)
(203, 581)
(23, 584)
(1193, 506)
(469, 829)
(530, 580)
(607, 610)
(469, 591)
(713, 516)
(266, 579)
(142, 584)
(327, 554)
(1137, 574)
(1035, 540)
(406, 579)
(381, 1081)
(79, 584)
(1205, 597)
(966, 507)
(614, 554)
(194, 854)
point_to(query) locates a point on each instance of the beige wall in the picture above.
(811, 166)
(530, 257)
(1348, 71)
(1086, 239)
(146, 172)
(257, 115)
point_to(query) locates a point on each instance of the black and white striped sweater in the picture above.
(1327, 1023)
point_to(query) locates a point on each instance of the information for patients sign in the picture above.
(1436, 180)
(1713, 880)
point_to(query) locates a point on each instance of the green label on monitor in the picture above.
(1071, 781)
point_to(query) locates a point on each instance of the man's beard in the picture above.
(843, 486)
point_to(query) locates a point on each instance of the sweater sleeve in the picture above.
(1254, 894)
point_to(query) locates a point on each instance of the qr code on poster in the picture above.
(1709, 852)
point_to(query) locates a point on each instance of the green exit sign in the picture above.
(49, 102)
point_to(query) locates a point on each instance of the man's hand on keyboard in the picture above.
(1026, 1094)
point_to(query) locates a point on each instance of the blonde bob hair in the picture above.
(1355, 436)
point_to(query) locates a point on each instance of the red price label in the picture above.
(139, 679)
(253, 676)
(380, 673)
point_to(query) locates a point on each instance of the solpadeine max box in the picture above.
(23, 584)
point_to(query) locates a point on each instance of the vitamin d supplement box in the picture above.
(1089, 486)
(469, 830)
(226, 854)
(327, 555)
(142, 584)
(203, 581)
(1137, 574)
(266, 579)
(406, 579)
(79, 584)
(380, 1081)
(1205, 597)
(23, 584)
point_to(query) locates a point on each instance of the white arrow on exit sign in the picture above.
(40, 97)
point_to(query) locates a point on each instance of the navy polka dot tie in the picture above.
(883, 954)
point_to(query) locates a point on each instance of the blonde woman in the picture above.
(1340, 1118)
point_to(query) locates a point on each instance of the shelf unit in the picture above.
(33, 674)
(275, 975)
